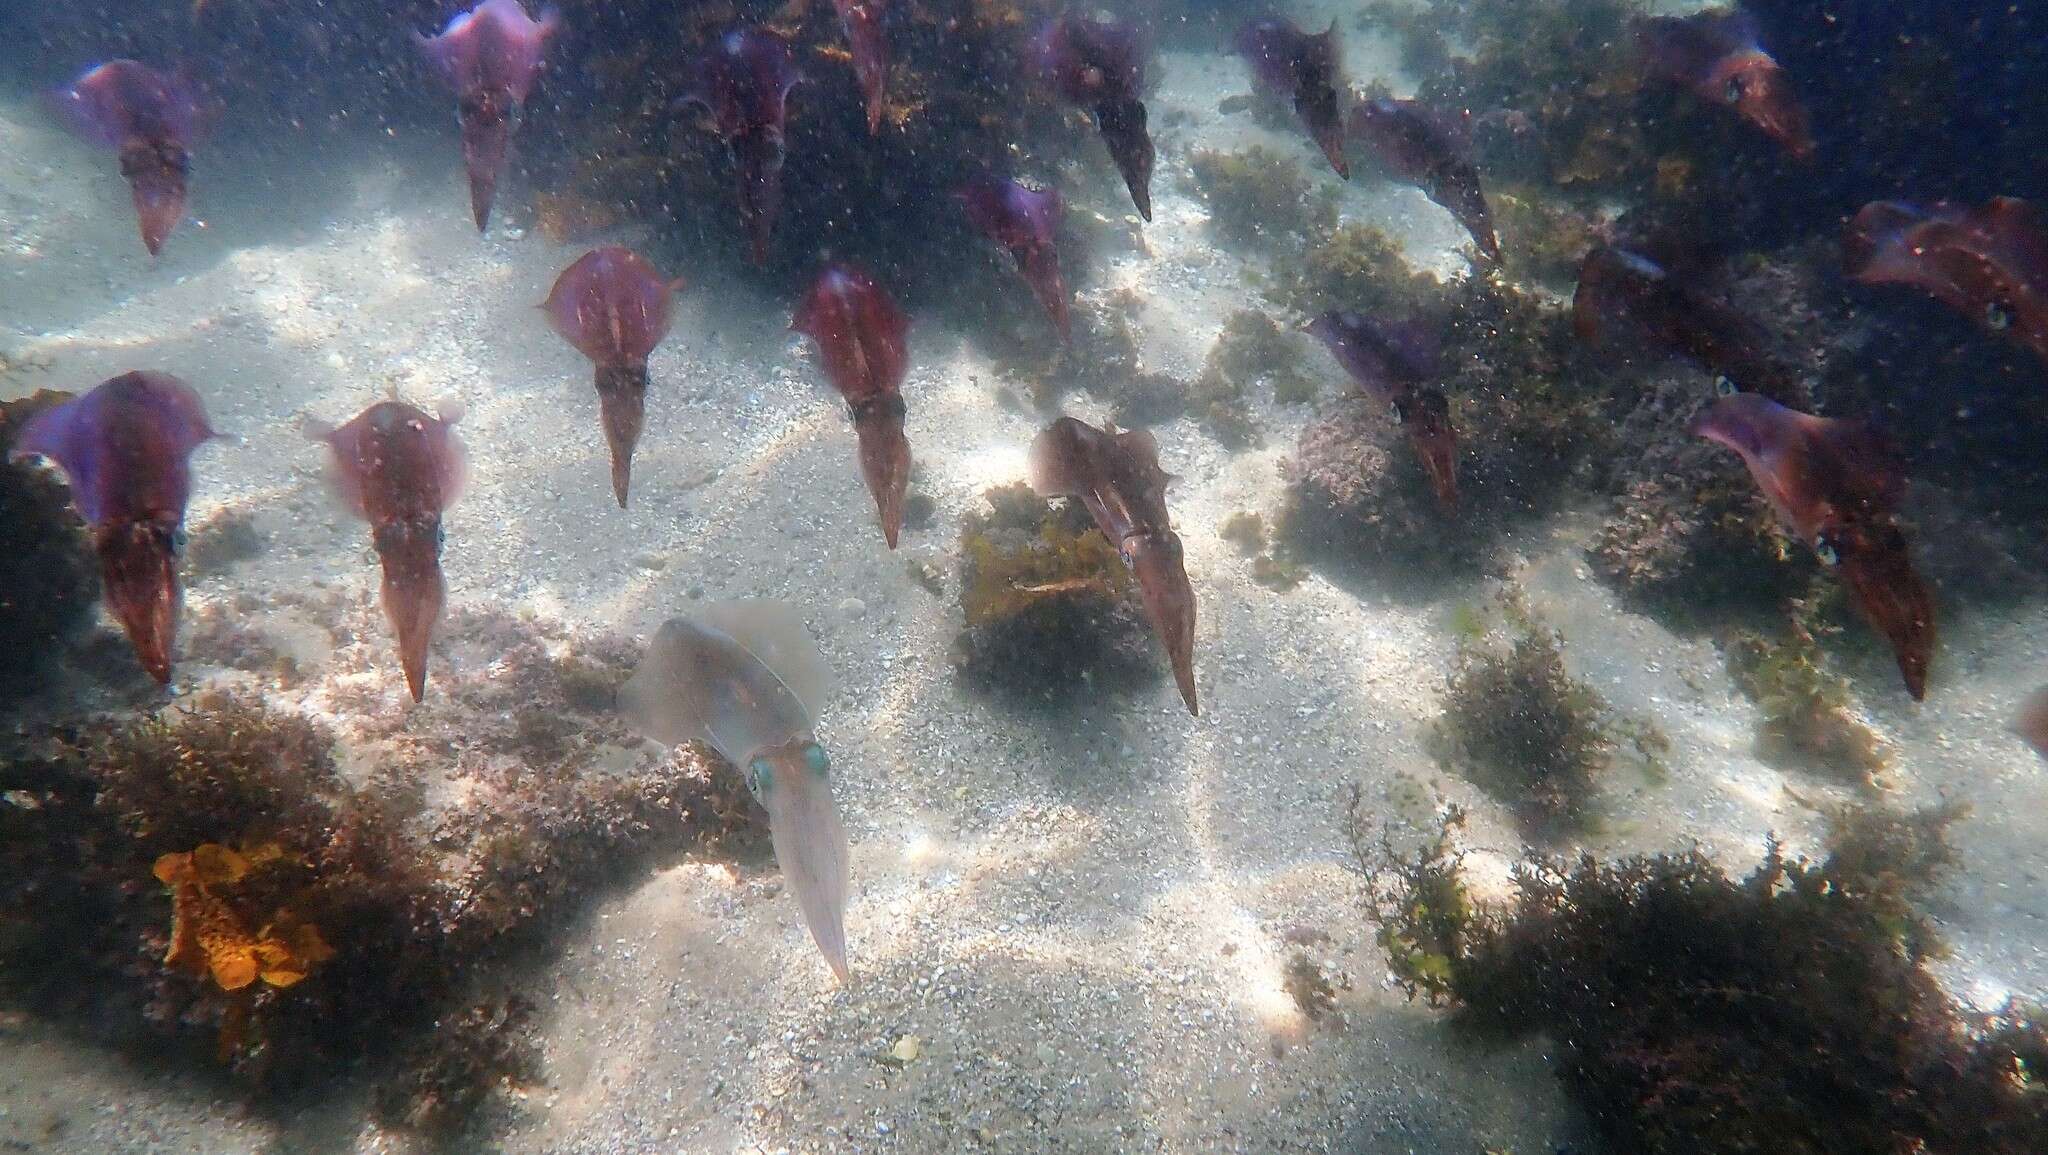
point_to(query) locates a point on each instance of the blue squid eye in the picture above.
(1733, 91)
(1724, 385)
(1825, 550)
(1997, 317)
(814, 757)
(178, 540)
(760, 776)
(1394, 411)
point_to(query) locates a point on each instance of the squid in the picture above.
(745, 83)
(1394, 364)
(1836, 485)
(1025, 221)
(126, 448)
(1099, 64)
(398, 469)
(149, 119)
(860, 334)
(1717, 55)
(1987, 261)
(1302, 67)
(745, 679)
(1117, 478)
(490, 55)
(614, 307)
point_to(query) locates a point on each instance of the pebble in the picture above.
(853, 609)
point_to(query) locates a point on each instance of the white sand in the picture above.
(1080, 922)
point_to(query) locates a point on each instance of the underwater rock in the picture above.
(49, 580)
(150, 119)
(1052, 614)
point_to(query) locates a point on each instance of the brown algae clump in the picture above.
(1274, 567)
(1258, 195)
(1050, 607)
(1517, 724)
(1353, 266)
(1789, 1011)
(1808, 716)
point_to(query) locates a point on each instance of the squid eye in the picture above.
(1824, 549)
(1394, 411)
(814, 757)
(1997, 317)
(177, 540)
(1725, 386)
(1734, 89)
(760, 777)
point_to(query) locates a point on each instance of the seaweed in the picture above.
(1274, 567)
(1352, 266)
(1808, 716)
(1050, 608)
(1517, 725)
(1259, 196)
(1790, 1011)
(206, 883)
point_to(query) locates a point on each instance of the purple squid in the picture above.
(1432, 150)
(1395, 364)
(149, 119)
(1987, 261)
(2031, 723)
(398, 469)
(1624, 298)
(1717, 55)
(1836, 485)
(1117, 477)
(1304, 68)
(859, 331)
(1025, 221)
(744, 83)
(745, 679)
(1099, 64)
(490, 55)
(862, 20)
(614, 307)
(126, 448)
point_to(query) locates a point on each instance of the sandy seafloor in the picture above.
(1080, 920)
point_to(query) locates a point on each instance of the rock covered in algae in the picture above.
(49, 576)
(1789, 1011)
(1051, 611)
(210, 885)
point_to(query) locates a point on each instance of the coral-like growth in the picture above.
(1789, 1011)
(49, 576)
(1050, 606)
(1258, 197)
(1808, 716)
(308, 923)
(1520, 727)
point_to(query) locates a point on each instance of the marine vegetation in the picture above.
(1051, 610)
(1252, 350)
(1259, 197)
(1808, 713)
(1353, 266)
(1272, 564)
(49, 580)
(1516, 724)
(207, 882)
(1789, 1011)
